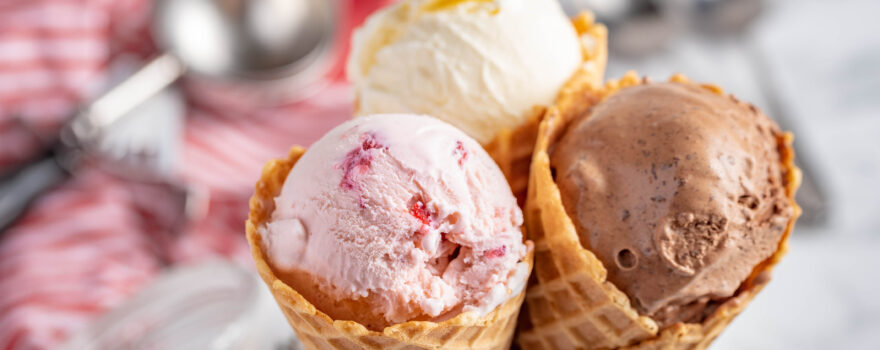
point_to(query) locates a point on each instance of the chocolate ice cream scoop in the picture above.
(679, 191)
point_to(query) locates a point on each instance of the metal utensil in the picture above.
(635, 27)
(260, 42)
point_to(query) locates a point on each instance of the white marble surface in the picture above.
(823, 296)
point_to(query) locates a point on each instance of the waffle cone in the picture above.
(316, 330)
(570, 304)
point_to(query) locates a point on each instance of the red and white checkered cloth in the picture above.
(91, 243)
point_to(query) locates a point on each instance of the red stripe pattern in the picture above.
(77, 253)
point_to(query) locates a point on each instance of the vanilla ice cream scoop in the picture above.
(479, 65)
(391, 218)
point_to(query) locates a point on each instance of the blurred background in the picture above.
(144, 190)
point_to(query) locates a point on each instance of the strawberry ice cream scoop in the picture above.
(391, 218)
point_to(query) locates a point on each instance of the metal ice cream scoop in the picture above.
(245, 40)
(281, 42)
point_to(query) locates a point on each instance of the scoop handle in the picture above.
(25, 183)
(20, 186)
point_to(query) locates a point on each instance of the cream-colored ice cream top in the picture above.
(479, 65)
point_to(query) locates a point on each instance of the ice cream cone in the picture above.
(570, 304)
(316, 330)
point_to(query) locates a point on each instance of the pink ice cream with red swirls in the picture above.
(407, 210)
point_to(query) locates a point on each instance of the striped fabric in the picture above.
(91, 243)
(81, 251)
